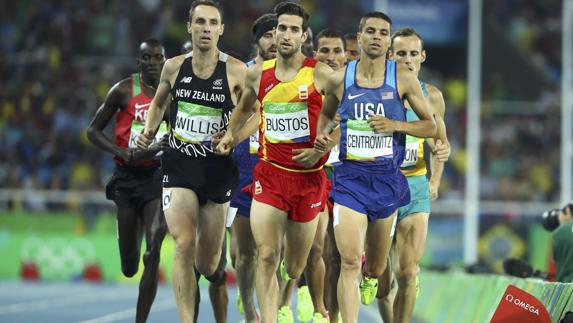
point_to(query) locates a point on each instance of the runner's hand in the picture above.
(225, 144)
(306, 157)
(321, 143)
(162, 144)
(381, 124)
(144, 139)
(216, 139)
(125, 154)
(441, 151)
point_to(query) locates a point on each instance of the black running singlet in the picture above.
(200, 108)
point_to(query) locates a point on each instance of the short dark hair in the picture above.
(210, 3)
(153, 42)
(291, 8)
(267, 17)
(373, 14)
(262, 25)
(330, 33)
(406, 32)
(350, 36)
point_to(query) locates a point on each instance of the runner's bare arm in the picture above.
(116, 99)
(247, 105)
(160, 101)
(330, 83)
(250, 127)
(440, 146)
(236, 74)
(410, 90)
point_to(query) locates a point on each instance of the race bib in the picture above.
(254, 143)
(197, 124)
(137, 129)
(286, 122)
(411, 153)
(363, 144)
(333, 157)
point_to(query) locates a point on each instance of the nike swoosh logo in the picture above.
(350, 96)
(139, 106)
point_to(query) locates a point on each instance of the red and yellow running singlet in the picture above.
(289, 115)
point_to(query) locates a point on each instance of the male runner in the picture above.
(352, 51)
(368, 185)
(217, 288)
(136, 184)
(311, 299)
(287, 195)
(200, 89)
(331, 48)
(307, 47)
(407, 49)
(245, 155)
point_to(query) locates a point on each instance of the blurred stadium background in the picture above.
(511, 160)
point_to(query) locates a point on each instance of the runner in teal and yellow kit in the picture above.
(412, 224)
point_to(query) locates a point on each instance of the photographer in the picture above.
(559, 222)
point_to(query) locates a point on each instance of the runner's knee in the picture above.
(151, 258)
(407, 274)
(245, 259)
(315, 254)
(294, 269)
(130, 265)
(350, 262)
(207, 265)
(184, 245)
(269, 257)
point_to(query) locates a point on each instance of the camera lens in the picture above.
(550, 219)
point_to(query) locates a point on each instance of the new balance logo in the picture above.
(352, 97)
(186, 79)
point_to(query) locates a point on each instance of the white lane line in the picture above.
(129, 313)
(62, 301)
(29, 292)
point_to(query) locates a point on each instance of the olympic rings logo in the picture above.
(57, 257)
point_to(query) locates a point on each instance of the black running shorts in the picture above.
(212, 178)
(133, 187)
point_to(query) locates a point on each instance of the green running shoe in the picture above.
(240, 303)
(304, 307)
(285, 315)
(368, 289)
(318, 318)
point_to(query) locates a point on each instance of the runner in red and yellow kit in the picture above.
(288, 187)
